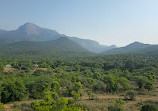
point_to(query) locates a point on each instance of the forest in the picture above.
(97, 83)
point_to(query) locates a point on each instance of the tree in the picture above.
(124, 83)
(75, 96)
(13, 91)
(77, 86)
(112, 83)
(148, 85)
(38, 87)
(61, 103)
(141, 81)
(55, 86)
(98, 86)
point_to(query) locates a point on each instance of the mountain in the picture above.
(62, 47)
(136, 47)
(92, 45)
(2, 31)
(32, 32)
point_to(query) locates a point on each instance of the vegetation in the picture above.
(80, 84)
(149, 108)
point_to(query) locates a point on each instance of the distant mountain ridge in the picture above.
(91, 45)
(136, 47)
(30, 37)
(32, 32)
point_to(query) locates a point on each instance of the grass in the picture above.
(100, 101)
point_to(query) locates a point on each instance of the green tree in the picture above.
(141, 81)
(149, 85)
(13, 91)
(98, 86)
(75, 96)
(124, 83)
(112, 83)
(55, 86)
(77, 86)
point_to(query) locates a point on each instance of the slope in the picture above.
(92, 45)
(62, 47)
(135, 48)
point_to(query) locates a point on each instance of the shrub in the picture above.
(149, 108)
(1, 106)
(89, 93)
(130, 95)
(115, 107)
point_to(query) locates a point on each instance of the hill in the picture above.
(135, 48)
(62, 47)
(92, 45)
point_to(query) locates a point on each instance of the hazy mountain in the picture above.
(60, 47)
(135, 47)
(92, 45)
(32, 32)
(2, 31)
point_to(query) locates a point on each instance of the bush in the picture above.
(70, 101)
(99, 86)
(149, 108)
(115, 107)
(1, 106)
(130, 95)
(89, 93)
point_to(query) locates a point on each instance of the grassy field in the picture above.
(100, 103)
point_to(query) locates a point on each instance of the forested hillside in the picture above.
(60, 48)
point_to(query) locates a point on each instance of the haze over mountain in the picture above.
(91, 45)
(30, 37)
(32, 32)
(135, 48)
(59, 48)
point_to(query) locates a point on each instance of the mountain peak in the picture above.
(28, 25)
(137, 44)
(29, 29)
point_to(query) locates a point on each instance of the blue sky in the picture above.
(118, 22)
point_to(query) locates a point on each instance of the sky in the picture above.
(118, 22)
